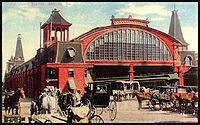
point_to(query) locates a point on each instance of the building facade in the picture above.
(128, 48)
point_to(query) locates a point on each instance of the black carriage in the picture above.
(101, 97)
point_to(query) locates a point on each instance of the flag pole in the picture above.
(40, 35)
(51, 30)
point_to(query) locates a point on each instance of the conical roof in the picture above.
(175, 28)
(56, 18)
(19, 51)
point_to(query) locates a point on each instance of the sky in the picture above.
(24, 18)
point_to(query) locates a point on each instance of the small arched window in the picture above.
(188, 61)
(58, 34)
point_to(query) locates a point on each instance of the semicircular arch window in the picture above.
(128, 44)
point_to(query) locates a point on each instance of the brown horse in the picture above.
(12, 102)
(141, 96)
(182, 100)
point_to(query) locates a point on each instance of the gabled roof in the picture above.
(175, 28)
(56, 18)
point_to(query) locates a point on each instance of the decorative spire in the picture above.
(56, 18)
(55, 10)
(112, 17)
(174, 6)
(19, 51)
(175, 27)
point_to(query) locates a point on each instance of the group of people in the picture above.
(49, 99)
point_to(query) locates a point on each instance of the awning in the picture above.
(71, 82)
(164, 77)
(156, 78)
(173, 76)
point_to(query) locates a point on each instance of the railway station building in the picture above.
(127, 49)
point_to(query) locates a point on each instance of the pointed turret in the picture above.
(175, 28)
(19, 57)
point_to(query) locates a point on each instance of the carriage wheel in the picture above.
(96, 119)
(133, 95)
(91, 108)
(98, 111)
(115, 97)
(48, 121)
(19, 110)
(175, 106)
(112, 110)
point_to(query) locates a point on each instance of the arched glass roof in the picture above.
(128, 44)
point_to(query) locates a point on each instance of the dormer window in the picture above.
(71, 52)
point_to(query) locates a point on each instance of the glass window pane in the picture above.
(128, 44)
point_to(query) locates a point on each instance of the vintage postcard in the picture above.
(81, 62)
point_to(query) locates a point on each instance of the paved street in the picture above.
(128, 113)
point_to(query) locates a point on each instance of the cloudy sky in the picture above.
(25, 18)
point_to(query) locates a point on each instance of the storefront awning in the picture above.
(173, 76)
(71, 82)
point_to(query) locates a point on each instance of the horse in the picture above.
(64, 101)
(141, 96)
(182, 101)
(46, 103)
(162, 99)
(195, 104)
(12, 102)
(34, 108)
(189, 103)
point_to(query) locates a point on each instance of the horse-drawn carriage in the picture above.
(181, 98)
(99, 94)
(163, 97)
(185, 99)
(62, 108)
(125, 89)
(81, 114)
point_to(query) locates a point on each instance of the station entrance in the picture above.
(110, 72)
(147, 75)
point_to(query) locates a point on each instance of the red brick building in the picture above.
(128, 48)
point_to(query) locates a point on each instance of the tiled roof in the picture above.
(19, 50)
(56, 18)
(175, 28)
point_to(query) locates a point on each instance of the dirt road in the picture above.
(127, 112)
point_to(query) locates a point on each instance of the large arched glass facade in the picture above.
(128, 44)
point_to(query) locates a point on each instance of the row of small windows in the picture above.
(126, 44)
